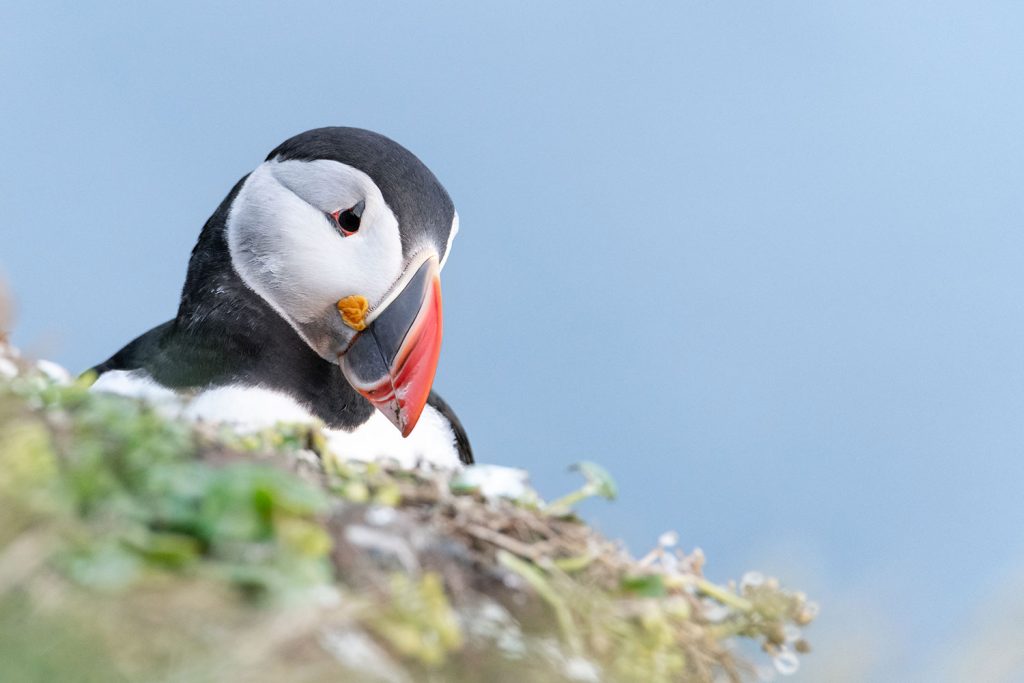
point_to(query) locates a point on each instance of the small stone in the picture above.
(579, 669)
(786, 663)
(53, 371)
(381, 515)
(751, 580)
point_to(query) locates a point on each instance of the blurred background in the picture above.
(761, 260)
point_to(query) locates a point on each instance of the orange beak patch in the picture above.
(353, 311)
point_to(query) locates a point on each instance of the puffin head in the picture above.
(344, 232)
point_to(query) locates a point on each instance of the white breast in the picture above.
(255, 408)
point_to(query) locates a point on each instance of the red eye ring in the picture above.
(348, 220)
(336, 215)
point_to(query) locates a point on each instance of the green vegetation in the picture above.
(139, 548)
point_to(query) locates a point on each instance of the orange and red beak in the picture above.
(393, 360)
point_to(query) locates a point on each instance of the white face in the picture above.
(288, 249)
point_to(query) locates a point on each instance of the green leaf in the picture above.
(170, 550)
(599, 479)
(646, 585)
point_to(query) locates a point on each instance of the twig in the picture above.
(502, 541)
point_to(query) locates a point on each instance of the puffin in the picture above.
(313, 294)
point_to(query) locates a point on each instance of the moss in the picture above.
(417, 621)
(134, 547)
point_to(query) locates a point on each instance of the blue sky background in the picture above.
(763, 260)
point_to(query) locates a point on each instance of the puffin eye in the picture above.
(348, 220)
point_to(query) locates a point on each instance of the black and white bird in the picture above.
(313, 293)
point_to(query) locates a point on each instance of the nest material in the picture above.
(159, 550)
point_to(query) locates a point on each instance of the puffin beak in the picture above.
(393, 359)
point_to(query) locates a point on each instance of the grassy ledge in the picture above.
(139, 548)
